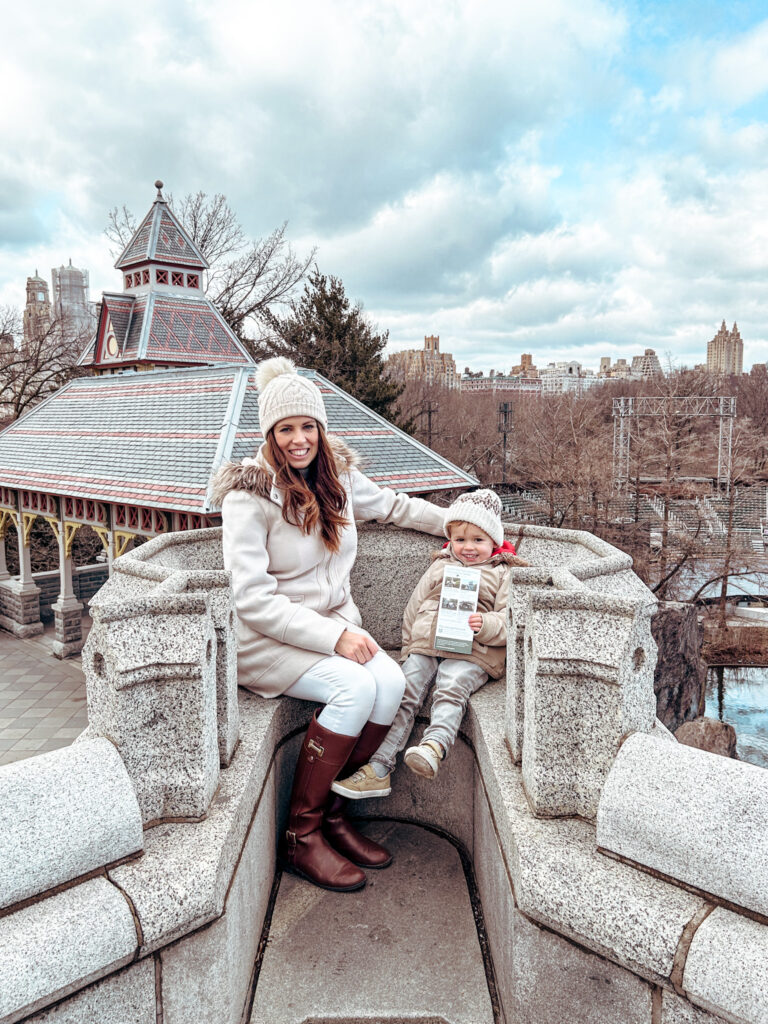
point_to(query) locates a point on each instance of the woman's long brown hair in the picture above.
(317, 501)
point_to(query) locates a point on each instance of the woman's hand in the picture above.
(475, 622)
(356, 647)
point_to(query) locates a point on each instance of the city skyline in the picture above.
(572, 183)
(389, 352)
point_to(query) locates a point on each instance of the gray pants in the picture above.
(455, 681)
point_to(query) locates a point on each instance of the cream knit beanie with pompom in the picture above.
(481, 508)
(283, 392)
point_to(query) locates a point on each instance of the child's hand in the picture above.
(475, 622)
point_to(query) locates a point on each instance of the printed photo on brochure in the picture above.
(458, 600)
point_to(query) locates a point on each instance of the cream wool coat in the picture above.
(489, 646)
(292, 594)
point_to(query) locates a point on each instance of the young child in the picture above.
(475, 538)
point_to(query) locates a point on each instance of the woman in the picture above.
(290, 542)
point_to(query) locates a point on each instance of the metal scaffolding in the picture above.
(629, 410)
(504, 428)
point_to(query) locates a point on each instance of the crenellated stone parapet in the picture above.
(588, 683)
(641, 919)
(150, 669)
(186, 565)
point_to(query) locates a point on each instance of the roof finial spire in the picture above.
(159, 186)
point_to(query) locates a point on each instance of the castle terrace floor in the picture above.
(42, 699)
(404, 948)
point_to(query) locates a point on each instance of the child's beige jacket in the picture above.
(489, 648)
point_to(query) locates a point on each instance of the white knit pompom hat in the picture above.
(481, 508)
(283, 392)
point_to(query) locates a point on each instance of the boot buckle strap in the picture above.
(315, 748)
(290, 837)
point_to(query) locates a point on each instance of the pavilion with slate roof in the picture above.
(130, 451)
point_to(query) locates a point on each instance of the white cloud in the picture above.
(440, 155)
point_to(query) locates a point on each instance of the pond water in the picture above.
(739, 696)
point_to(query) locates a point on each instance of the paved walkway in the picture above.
(404, 948)
(42, 699)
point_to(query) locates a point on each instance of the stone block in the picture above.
(217, 589)
(206, 978)
(181, 882)
(624, 584)
(198, 550)
(675, 1010)
(582, 553)
(150, 669)
(54, 948)
(588, 682)
(21, 607)
(553, 981)
(65, 814)
(690, 815)
(68, 629)
(227, 714)
(190, 564)
(524, 582)
(496, 898)
(661, 732)
(726, 971)
(126, 997)
(559, 878)
(385, 575)
(222, 605)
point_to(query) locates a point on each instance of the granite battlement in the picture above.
(136, 866)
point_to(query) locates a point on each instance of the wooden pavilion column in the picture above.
(20, 598)
(67, 610)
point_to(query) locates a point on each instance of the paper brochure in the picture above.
(458, 599)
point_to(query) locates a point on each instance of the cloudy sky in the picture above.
(571, 180)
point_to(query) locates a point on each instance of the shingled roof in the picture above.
(154, 438)
(163, 327)
(162, 317)
(160, 238)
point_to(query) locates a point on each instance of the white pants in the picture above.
(353, 694)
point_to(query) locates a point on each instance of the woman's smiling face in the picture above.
(296, 437)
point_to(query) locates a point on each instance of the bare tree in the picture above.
(246, 278)
(33, 368)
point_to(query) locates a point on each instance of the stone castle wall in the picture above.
(589, 875)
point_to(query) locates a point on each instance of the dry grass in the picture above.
(735, 645)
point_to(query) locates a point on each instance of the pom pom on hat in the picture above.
(271, 368)
(482, 509)
(283, 392)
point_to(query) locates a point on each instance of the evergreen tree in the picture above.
(324, 331)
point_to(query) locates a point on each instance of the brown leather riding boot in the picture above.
(322, 756)
(337, 828)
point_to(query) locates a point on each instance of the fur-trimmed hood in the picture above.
(257, 476)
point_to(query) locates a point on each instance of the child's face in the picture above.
(470, 543)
